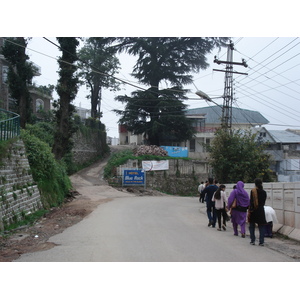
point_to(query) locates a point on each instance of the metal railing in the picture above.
(9, 124)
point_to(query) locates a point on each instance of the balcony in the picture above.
(205, 129)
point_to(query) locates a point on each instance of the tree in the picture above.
(99, 64)
(159, 113)
(20, 75)
(237, 155)
(66, 89)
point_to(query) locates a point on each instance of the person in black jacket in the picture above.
(207, 194)
(256, 214)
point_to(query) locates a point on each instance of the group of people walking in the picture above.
(241, 206)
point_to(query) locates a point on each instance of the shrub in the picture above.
(49, 174)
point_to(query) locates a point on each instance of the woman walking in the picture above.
(256, 213)
(238, 202)
(220, 200)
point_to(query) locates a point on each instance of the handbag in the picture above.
(233, 205)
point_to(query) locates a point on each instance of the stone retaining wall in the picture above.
(87, 148)
(18, 193)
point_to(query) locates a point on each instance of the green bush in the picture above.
(49, 174)
(122, 157)
(116, 160)
(42, 130)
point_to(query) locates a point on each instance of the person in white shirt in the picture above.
(200, 189)
(220, 200)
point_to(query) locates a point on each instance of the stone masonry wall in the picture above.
(87, 148)
(18, 193)
(182, 178)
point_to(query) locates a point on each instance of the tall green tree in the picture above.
(159, 112)
(20, 74)
(66, 88)
(238, 155)
(98, 63)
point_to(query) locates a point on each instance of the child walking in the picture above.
(220, 200)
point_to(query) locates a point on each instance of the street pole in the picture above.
(226, 122)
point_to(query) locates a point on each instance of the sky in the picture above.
(275, 94)
(271, 86)
(263, 34)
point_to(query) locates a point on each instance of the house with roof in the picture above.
(284, 148)
(206, 121)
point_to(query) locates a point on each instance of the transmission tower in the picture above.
(226, 121)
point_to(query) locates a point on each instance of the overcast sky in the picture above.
(271, 86)
(275, 94)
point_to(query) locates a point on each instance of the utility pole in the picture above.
(228, 88)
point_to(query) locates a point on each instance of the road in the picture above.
(133, 228)
(150, 229)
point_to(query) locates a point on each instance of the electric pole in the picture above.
(228, 88)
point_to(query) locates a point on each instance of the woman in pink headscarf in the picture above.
(238, 202)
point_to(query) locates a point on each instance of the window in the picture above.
(4, 73)
(39, 105)
(199, 124)
(262, 134)
(192, 145)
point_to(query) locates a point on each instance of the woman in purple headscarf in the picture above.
(238, 203)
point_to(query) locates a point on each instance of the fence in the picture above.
(9, 125)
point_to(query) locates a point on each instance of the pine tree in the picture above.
(158, 112)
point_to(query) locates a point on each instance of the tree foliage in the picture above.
(50, 175)
(20, 75)
(66, 89)
(98, 63)
(159, 112)
(238, 156)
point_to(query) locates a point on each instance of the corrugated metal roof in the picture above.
(239, 116)
(284, 136)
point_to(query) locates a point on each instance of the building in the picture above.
(207, 120)
(284, 148)
(41, 97)
(83, 113)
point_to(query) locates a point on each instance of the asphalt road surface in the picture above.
(131, 228)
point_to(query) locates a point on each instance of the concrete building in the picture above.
(284, 148)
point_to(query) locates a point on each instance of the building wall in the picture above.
(18, 193)
(284, 197)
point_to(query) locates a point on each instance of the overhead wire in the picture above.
(104, 74)
(246, 88)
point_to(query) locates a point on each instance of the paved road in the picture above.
(150, 229)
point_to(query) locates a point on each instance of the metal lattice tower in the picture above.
(226, 121)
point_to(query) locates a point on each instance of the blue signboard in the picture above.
(133, 177)
(175, 151)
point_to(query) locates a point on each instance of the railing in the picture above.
(206, 129)
(9, 125)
